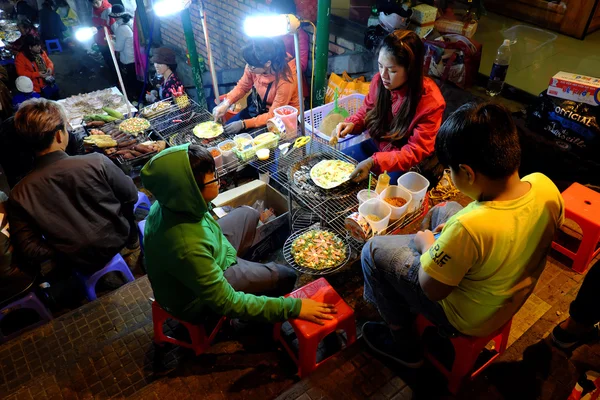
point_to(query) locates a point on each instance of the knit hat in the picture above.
(163, 55)
(24, 84)
(118, 11)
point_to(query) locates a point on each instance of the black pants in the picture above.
(132, 85)
(584, 309)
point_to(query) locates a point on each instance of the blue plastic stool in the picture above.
(141, 226)
(143, 202)
(32, 302)
(57, 47)
(117, 264)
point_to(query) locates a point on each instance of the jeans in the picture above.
(366, 149)
(239, 227)
(584, 309)
(391, 268)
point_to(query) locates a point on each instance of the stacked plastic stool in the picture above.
(466, 352)
(310, 334)
(200, 342)
(141, 227)
(582, 205)
(29, 301)
(143, 202)
(117, 264)
(53, 46)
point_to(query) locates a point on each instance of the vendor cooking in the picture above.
(271, 76)
(402, 112)
(165, 63)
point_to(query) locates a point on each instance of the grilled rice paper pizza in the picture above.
(328, 174)
(319, 250)
(134, 126)
(208, 130)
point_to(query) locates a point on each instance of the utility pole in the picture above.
(321, 52)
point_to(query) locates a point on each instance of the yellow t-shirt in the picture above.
(493, 252)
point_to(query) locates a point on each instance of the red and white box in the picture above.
(581, 88)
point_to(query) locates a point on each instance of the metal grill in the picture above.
(289, 258)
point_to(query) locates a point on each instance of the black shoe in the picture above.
(379, 338)
(566, 340)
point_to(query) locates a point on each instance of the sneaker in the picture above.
(567, 340)
(379, 338)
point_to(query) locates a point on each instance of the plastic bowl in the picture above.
(243, 141)
(365, 195)
(396, 191)
(417, 185)
(378, 208)
(218, 159)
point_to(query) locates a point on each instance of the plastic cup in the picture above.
(264, 177)
(228, 155)
(417, 185)
(289, 117)
(396, 191)
(365, 195)
(218, 159)
(378, 208)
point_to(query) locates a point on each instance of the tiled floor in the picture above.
(537, 54)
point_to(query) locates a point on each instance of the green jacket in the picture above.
(186, 251)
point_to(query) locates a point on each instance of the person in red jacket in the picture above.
(100, 18)
(34, 63)
(402, 112)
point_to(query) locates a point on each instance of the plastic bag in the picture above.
(393, 21)
(345, 86)
(574, 126)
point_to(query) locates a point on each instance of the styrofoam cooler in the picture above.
(314, 118)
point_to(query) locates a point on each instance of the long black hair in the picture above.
(29, 42)
(407, 49)
(261, 51)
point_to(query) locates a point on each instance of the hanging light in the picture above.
(86, 33)
(271, 25)
(164, 8)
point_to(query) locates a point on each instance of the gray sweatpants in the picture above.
(239, 227)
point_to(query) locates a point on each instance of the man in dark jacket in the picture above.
(76, 211)
(51, 25)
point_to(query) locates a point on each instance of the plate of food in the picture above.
(208, 130)
(134, 126)
(328, 174)
(156, 109)
(317, 249)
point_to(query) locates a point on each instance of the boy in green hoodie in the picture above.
(192, 266)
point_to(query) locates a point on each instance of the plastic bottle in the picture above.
(498, 74)
(383, 181)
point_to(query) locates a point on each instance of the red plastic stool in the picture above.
(466, 351)
(200, 342)
(310, 334)
(582, 205)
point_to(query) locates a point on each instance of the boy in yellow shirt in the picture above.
(485, 262)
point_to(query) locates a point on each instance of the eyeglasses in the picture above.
(217, 179)
(253, 68)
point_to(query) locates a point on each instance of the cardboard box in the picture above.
(247, 195)
(580, 88)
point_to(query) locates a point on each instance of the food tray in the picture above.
(301, 183)
(148, 112)
(248, 154)
(289, 258)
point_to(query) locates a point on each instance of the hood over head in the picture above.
(169, 177)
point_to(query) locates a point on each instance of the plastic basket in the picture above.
(351, 103)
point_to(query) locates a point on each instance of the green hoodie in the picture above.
(186, 251)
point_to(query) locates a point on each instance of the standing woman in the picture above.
(270, 75)
(123, 44)
(165, 63)
(402, 112)
(100, 19)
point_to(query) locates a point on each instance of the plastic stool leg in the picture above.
(586, 251)
(349, 326)
(307, 356)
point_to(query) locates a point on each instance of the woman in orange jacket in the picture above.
(271, 76)
(34, 63)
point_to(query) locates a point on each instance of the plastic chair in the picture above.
(310, 334)
(143, 202)
(53, 46)
(582, 205)
(200, 342)
(117, 264)
(466, 351)
(29, 301)
(141, 226)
